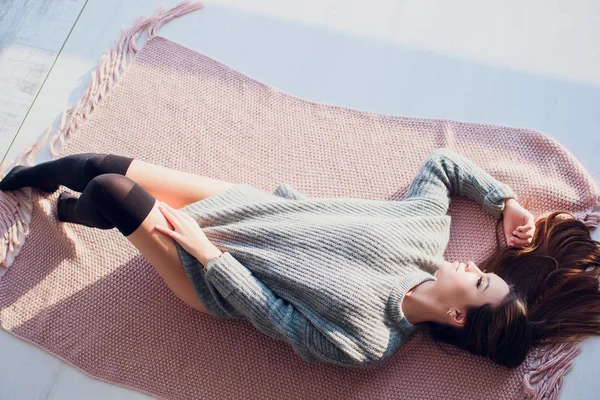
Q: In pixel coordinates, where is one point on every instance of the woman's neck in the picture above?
(420, 304)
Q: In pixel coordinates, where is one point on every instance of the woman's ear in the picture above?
(457, 318)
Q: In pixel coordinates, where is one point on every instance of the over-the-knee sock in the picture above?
(74, 171)
(65, 207)
(108, 201)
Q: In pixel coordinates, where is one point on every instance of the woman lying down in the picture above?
(343, 280)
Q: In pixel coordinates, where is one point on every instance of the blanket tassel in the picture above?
(16, 205)
(554, 362)
(591, 218)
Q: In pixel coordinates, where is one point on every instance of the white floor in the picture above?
(530, 64)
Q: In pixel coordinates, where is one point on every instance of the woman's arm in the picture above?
(271, 314)
(447, 173)
(268, 313)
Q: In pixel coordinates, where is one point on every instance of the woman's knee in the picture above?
(97, 164)
(120, 200)
(112, 185)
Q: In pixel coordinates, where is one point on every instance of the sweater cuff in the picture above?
(226, 273)
(495, 200)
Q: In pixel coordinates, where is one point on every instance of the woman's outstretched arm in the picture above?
(446, 173)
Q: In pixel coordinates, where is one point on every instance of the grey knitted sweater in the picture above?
(327, 275)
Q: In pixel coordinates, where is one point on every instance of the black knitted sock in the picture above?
(108, 201)
(74, 171)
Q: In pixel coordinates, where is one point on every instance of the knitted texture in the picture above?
(89, 297)
(328, 275)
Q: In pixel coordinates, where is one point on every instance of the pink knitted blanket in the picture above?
(89, 297)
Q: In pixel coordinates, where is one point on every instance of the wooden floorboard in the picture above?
(32, 32)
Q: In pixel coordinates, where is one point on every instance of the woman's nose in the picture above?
(471, 267)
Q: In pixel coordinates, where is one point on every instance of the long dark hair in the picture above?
(553, 295)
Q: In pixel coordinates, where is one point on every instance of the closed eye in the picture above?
(479, 282)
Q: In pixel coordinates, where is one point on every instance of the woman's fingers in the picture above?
(171, 217)
(517, 242)
(167, 206)
(525, 228)
(524, 232)
(177, 214)
(165, 231)
(523, 235)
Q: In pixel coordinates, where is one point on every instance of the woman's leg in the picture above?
(112, 200)
(176, 188)
(75, 171)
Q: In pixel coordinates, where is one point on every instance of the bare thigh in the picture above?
(176, 188)
(161, 252)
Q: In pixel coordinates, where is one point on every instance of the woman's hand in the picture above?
(519, 224)
(187, 233)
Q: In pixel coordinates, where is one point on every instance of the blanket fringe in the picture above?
(16, 205)
(547, 375)
(591, 218)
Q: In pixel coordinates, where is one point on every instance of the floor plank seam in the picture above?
(43, 82)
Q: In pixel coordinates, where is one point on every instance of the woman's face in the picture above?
(461, 284)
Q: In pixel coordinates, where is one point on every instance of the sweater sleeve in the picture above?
(446, 173)
(269, 313)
